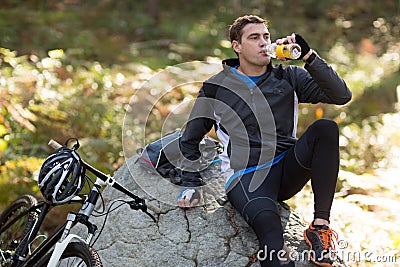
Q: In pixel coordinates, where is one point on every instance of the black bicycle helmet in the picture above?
(62, 175)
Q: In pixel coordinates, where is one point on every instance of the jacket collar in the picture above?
(229, 63)
(233, 62)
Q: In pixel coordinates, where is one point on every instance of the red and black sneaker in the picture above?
(320, 240)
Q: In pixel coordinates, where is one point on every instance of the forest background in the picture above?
(70, 68)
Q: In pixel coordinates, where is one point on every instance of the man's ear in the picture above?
(236, 46)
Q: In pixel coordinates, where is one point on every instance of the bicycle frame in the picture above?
(60, 239)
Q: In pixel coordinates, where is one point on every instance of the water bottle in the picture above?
(291, 51)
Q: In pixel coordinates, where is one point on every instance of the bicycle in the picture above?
(21, 220)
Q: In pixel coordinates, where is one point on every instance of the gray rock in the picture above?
(211, 235)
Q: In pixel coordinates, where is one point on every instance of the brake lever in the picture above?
(140, 204)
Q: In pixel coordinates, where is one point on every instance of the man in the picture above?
(253, 106)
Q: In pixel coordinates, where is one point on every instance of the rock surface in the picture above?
(211, 235)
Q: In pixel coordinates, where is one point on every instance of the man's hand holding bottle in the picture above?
(293, 46)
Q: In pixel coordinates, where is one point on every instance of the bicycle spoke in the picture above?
(71, 262)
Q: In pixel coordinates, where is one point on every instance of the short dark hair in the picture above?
(235, 30)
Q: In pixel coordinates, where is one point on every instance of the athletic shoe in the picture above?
(320, 240)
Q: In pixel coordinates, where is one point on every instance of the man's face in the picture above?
(255, 36)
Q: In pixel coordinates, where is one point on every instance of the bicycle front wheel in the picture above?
(15, 224)
(77, 254)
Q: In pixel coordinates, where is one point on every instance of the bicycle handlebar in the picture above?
(139, 202)
(54, 144)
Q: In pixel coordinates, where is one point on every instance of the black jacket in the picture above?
(256, 122)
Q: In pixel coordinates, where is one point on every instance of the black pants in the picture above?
(315, 156)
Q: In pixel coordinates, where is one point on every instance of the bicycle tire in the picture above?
(76, 254)
(15, 225)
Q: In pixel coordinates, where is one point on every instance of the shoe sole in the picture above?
(311, 257)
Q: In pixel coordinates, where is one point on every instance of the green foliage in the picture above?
(376, 99)
(126, 31)
(52, 98)
(64, 98)
(17, 177)
(371, 144)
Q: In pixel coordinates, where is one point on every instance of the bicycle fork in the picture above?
(72, 219)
